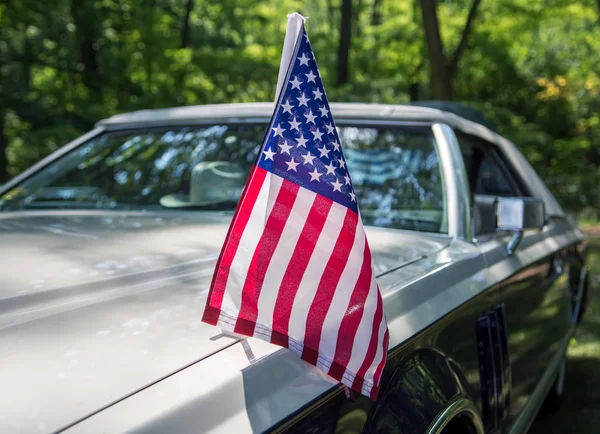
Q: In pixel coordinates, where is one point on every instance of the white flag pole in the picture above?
(294, 26)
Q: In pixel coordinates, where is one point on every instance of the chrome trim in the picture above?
(455, 181)
(527, 415)
(580, 289)
(50, 158)
(514, 242)
(459, 406)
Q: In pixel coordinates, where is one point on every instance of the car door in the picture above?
(532, 281)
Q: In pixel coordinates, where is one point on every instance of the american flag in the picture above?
(296, 269)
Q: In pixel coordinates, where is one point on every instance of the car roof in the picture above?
(244, 112)
(231, 112)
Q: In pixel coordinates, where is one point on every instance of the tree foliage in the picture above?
(530, 66)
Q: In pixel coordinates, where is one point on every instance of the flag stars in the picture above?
(287, 107)
(284, 148)
(268, 154)
(302, 99)
(308, 158)
(304, 59)
(296, 83)
(315, 175)
(301, 141)
(305, 121)
(324, 152)
(295, 124)
(317, 134)
(291, 165)
(330, 168)
(310, 117)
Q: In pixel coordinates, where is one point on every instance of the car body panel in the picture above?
(121, 295)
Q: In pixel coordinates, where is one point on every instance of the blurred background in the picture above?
(531, 67)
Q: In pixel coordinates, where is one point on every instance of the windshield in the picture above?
(395, 171)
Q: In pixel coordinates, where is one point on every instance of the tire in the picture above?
(554, 399)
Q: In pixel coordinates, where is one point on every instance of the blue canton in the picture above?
(303, 145)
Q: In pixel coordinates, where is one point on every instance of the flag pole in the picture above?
(294, 26)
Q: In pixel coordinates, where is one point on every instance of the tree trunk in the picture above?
(345, 40)
(185, 32)
(464, 39)
(376, 15)
(27, 63)
(87, 36)
(439, 78)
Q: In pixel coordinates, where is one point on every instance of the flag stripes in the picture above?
(281, 255)
(294, 273)
(276, 222)
(296, 269)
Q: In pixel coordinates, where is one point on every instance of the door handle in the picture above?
(558, 265)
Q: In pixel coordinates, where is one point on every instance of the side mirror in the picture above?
(519, 214)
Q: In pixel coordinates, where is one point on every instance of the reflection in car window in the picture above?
(397, 175)
(395, 171)
(484, 169)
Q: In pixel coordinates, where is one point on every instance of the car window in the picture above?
(486, 171)
(489, 177)
(395, 172)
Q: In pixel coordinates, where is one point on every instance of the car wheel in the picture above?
(554, 399)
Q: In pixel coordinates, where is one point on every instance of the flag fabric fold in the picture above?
(295, 269)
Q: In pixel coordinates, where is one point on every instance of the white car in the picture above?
(107, 249)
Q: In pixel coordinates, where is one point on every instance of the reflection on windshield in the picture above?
(395, 171)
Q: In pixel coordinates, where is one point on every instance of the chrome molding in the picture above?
(459, 406)
(527, 415)
(455, 179)
(580, 289)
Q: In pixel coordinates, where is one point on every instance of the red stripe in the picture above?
(329, 280)
(372, 350)
(352, 317)
(262, 257)
(296, 268)
(232, 241)
(379, 370)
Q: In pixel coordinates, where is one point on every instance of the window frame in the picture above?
(492, 149)
(124, 129)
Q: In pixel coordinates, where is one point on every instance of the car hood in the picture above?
(95, 306)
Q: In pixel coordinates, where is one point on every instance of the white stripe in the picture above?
(341, 296)
(276, 182)
(314, 271)
(232, 298)
(282, 255)
(378, 358)
(365, 329)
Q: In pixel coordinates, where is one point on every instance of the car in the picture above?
(108, 247)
